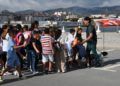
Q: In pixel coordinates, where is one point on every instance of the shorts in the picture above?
(46, 58)
(12, 59)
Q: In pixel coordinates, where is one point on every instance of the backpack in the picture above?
(17, 38)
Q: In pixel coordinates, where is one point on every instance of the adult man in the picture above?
(91, 39)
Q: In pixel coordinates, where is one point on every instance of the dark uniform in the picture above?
(91, 45)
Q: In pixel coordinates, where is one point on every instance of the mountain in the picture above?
(75, 10)
(88, 11)
(26, 12)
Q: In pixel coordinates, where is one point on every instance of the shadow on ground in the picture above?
(114, 61)
(7, 81)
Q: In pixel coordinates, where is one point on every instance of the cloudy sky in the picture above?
(16, 5)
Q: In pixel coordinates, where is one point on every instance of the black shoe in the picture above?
(45, 72)
(50, 72)
(20, 76)
(104, 53)
(98, 65)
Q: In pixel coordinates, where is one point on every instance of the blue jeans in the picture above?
(31, 57)
(81, 51)
(12, 59)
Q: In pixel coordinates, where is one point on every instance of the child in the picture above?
(12, 59)
(33, 52)
(47, 50)
(69, 51)
(1, 59)
(59, 52)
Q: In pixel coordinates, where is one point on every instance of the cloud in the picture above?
(111, 3)
(16, 5)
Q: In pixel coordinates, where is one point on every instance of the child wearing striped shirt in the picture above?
(47, 50)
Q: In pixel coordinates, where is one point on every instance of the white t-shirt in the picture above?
(8, 43)
(5, 43)
(69, 39)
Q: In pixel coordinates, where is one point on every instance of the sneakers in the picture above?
(36, 72)
(15, 73)
(45, 72)
(20, 76)
(58, 71)
(64, 71)
(83, 59)
(1, 79)
(7, 73)
(50, 72)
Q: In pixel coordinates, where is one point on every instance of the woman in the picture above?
(78, 48)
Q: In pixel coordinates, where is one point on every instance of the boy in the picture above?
(34, 51)
(1, 59)
(47, 49)
(69, 51)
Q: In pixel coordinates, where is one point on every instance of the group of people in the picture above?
(23, 47)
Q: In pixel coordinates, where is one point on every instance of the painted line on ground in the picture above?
(105, 69)
(108, 50)
(112, 66)
(109, 68)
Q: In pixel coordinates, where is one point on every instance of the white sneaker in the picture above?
(36, 72)
(1, 79)
(63, 71)
(88, 65)
(83, 59)
(7, 73)
(15, 73)
(58, 71)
